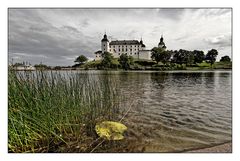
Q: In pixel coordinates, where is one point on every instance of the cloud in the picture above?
(220, 40)
(42, 39)
(173, 14)
(57, 36)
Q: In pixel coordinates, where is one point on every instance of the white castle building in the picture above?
(133, 48)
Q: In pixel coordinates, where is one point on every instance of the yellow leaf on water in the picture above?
(110, 130)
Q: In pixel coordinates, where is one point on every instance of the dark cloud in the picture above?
(85, 23)
(174, 14)
(35, 38)
(57, 36)
(215, 12)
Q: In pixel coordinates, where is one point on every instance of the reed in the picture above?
(49, 108)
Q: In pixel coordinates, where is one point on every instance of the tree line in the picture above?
(185, 56)
(180, 57)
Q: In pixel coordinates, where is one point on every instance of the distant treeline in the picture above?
(161, 60)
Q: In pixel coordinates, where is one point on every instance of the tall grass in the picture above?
(48, 109)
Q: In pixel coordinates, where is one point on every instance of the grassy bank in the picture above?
(51, 112)
(151, 65)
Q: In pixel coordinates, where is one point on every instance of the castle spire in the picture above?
(105, 37)
(161, 44)
(161, 39)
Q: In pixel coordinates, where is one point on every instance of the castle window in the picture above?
(103, 44)
(126, 49)
(118, 53)
(135, 53)
(119, 49)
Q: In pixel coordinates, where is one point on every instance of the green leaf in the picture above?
(110, 130)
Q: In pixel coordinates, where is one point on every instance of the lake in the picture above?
(174, 110)
(169, 111)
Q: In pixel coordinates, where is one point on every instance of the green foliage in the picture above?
(92, 64)
(183, 57)
(125, 61)
(57, 68)
(81, 59)
(48, 108)
(159, 54)
(41, 66)
(107, 60)
(198, 56)
(110, 130)
(145, 62)
(178, 57)
(18, 64)
(225, 59)
(211, 56)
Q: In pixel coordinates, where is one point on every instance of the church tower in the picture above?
(161, 44)
(105, 44)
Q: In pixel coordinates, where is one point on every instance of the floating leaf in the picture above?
(110, 130)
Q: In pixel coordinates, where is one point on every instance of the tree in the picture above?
(157, 54)
(160, 54)
(107, 60)
(225, 59)
(125, 61)
(18, 64)
(81, 59)
(189, 58)
(166, 55)
(211, 56)
(177, 57)
(198, 56)
(131, 60)
(41, 66)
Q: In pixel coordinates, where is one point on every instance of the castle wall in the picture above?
(130, 50)
(145, 54)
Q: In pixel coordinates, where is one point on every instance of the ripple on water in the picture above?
(179, 111)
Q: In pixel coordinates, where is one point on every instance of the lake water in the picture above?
(172, 111)
(176, 110)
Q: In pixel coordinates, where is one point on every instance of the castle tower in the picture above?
(105, 44)
(161, 44)
(142, 45)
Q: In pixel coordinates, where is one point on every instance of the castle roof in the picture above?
(161, 43)
(98, 52)
(105, 37)
(125, 42)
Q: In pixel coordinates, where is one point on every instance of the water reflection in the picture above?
(179, 110)
(173, 111)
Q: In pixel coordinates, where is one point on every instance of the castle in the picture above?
(133, 48)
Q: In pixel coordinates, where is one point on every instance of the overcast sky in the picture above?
(58, 36)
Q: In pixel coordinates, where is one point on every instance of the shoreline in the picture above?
(81, 69)
(219, 148)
